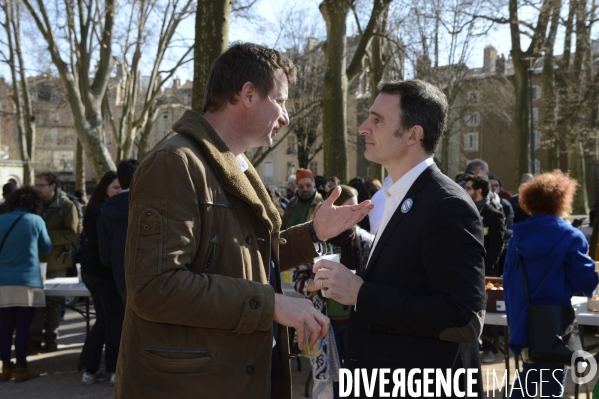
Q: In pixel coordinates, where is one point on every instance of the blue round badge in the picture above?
(407, 205)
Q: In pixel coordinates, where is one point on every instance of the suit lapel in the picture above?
(399, 215)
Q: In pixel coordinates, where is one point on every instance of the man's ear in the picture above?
(415, 135)
(248, 94)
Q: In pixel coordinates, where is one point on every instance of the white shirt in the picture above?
(378, 200)
(395, 194)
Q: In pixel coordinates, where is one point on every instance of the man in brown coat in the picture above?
(205, 317)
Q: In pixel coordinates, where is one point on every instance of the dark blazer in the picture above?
(423, 298)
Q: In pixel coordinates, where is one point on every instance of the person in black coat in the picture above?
(99, 281)
(420, 301)
(112, 226)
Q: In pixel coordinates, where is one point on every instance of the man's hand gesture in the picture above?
(331, 220)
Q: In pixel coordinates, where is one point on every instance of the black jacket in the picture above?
(112, 231)
(423, 298)
(494, 227)
(91, 264)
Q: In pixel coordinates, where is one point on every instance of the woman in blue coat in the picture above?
(557, 266)
(23, 235)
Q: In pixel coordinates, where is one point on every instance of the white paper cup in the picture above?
(43, 269)
(333, 258)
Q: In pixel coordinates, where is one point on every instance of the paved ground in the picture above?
(61, 379)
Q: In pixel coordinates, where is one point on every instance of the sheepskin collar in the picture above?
(246, 186)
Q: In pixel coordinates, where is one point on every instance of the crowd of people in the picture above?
(188, 298)
(43, 224)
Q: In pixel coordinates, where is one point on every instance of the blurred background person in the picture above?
(373, 186)
(321, 185)
(519, 214)
(23, 235)
(100, 282)
(363, 195)
(62, 222)
(557, 266)
(353, 245)
(113, 225)
(497, 187)
(291, 187)
(302, 207)
(332, 182)
(6, 190)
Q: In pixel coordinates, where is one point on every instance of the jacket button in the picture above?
(146, 227)
(149, 214)
(254, 304)
(248, 239)
(250, 370)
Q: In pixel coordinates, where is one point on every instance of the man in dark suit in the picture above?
(420, 301)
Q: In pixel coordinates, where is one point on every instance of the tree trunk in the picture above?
(212, 39)
(80, 169)
(334, 103)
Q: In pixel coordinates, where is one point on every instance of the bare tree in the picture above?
(141, 103)
(79, 39)
(12, 55)
(337, 77)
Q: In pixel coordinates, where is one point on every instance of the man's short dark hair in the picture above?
(334, 179)
(241, 63)
(125, 171)
(50, 177)
(421, 104)
(320, 181)
(479, 182)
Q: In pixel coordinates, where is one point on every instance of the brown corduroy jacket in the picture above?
(199, 314)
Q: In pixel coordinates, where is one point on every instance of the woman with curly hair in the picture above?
(557, 265)
(23, 235)
(353, 245)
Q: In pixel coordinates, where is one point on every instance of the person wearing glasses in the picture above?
(62, 222)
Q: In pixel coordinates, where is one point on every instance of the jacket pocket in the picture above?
(148, 249)
(177, 360)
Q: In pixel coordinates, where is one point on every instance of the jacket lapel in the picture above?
(248, 187)
(399, 215)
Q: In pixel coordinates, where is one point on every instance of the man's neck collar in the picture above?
(404, 167)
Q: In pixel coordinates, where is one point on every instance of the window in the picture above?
(54, 116)
(313, 167)
(536, 92)
(535, 115)
(267, 170)
(290, 169)
(473, 97)
(165, 117)
(537, 166)
(291, 144)
(471, 142)
(537, 135)
(473, 119)
(162, 134)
